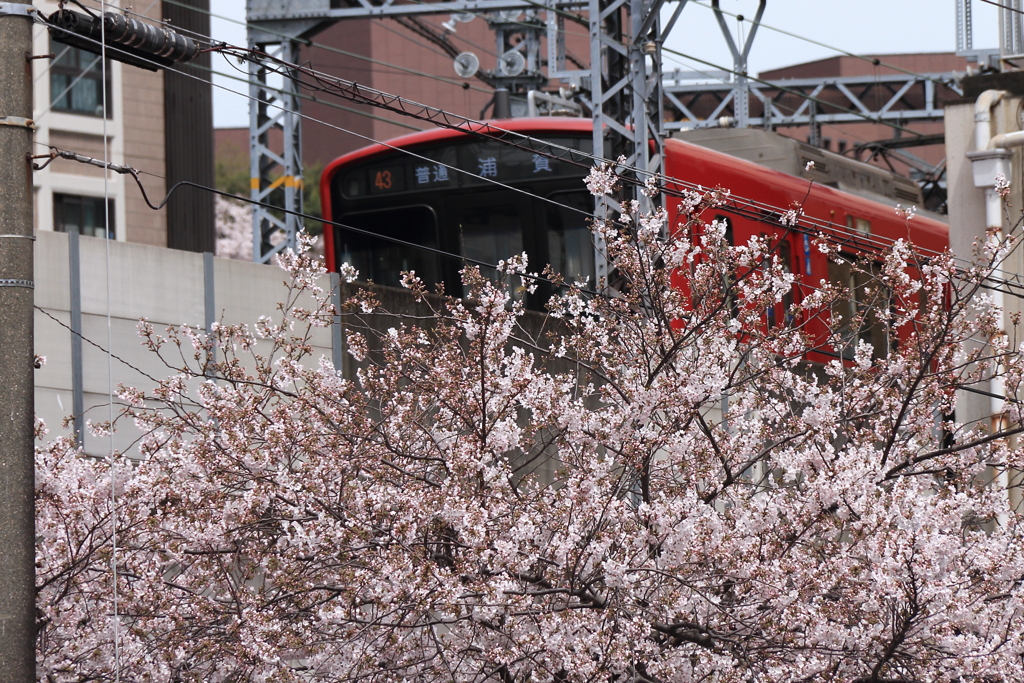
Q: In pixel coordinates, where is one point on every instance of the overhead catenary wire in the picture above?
(364, 95)
(301, 96)
(104, 351)
(366, 138)
(329, 48)
(583, 21)
(995, 283)
(459, 257)
(134, 173)
(67, 154)
(749, 208)
(304, 215)
(109, 359)
(871, 60)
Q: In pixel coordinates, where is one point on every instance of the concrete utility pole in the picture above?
(17, 409)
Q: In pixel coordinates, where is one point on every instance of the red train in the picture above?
(440, 189)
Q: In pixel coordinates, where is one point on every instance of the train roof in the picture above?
(526, 126)
(746, 179)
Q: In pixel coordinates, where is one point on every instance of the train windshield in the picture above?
(477, 199)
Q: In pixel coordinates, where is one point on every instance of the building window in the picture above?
(84, 215)
(75, 81)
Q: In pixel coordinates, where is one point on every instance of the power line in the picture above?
(67, 154)
(871, 60)
(329, 48)
(363, 95)
(358, 135)
(134, 173)
(394, 240)
(577, 18)
(106, 352)
(776, 86)
(751, 209)
(996, 4)
(745, 207)
(301, 96)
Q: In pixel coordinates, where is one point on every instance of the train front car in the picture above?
(434, 201)
(860, 228)
(438, 196)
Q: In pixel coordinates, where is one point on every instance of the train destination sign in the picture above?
(465, 164)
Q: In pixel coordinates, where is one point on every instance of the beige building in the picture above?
(68, 111)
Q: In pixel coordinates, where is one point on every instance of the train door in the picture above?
(564, 234)
(491, 227)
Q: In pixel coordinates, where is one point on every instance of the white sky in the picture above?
(859, 26)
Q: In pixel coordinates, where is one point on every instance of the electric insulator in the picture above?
(128, 40)
(149, 39)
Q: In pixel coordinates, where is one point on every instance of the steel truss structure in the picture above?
(896, 98)
(633, 104)
(275, 178)
(622, 87)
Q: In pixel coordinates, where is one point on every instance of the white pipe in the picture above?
(1004, 140)
(983, 165)
(993, 210)
(983, 117)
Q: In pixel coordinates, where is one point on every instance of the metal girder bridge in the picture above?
(897, 98)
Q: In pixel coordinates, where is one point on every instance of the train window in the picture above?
(570, 243)
(780, 313)
(866, 297)
(490, 233)
(861, 225)
(383, 261)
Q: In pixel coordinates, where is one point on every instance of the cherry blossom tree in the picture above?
(655, 485)
(234, 228)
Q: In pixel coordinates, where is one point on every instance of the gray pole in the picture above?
(17, 521)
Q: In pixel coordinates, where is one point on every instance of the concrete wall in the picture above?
(165, 286)
(967, 227)
(967, 217)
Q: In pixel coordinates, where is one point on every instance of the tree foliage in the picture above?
(657, 486)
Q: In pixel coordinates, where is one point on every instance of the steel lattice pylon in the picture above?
(626, 97)
(275, 175)
(625, 89)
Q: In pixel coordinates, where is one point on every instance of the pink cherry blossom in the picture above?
(652, 485)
